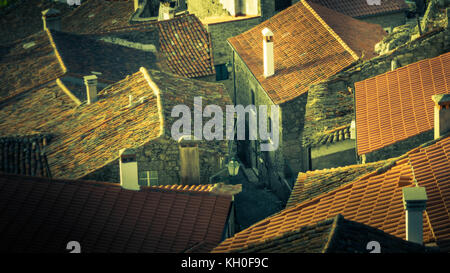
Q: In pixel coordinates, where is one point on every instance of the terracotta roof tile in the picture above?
(360, 8)
(46, 56)
(311, 43)
(333, 235)
(397, 105)
(374, 199)
(42, 215)
(87, 137)
(314, 183)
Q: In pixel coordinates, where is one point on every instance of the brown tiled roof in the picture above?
(333, 235)
(28, 63)
(46, 56)
(24, 18)
(314, 183)
(87, 137)
(374, 199)
(397, 105)
(311, 43)
(42, 215)
(360, 8)
(184, 42)
(24, 155)
(98, 15)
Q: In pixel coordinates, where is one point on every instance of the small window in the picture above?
(148, 178)
(221, 72)
(253, 97)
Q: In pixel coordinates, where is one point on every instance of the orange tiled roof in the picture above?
(333, 235)
(360, 8)
(397, 105)
(43, 215)
(374, 199)
(87, 137)
(314, 183)
(311, 43)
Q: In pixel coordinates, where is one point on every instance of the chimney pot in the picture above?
(441, 114)
(128, 169)
(91, 88)
(414, 201)
(51, 19)
(269, 67)
(166, 10)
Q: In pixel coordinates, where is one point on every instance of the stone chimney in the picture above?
(91, 88)
(414, 201)
(269, 68)
(166, 10)
(441, 114)
(51, 19)
(128, 169)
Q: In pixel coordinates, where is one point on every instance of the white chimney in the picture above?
(91, 88)
(128, 169)
(166, 10)
(269, 69)
(414, 201)
(441, 114)
(51, 18)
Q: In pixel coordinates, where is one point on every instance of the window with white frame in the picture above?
(148, 178)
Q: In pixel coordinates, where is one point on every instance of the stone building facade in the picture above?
(159, 162)
(287, 87)
(331, 103)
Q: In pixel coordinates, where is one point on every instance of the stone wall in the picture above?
(333, 155)
(220, 32)
(390, 20)
(162, 155)
(208, 8)
(293, 113)
(270, 164)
